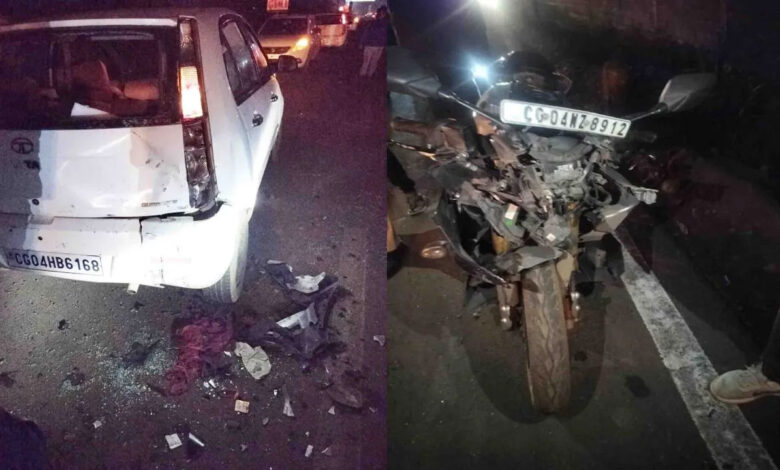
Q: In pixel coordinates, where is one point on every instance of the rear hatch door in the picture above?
(96, 128)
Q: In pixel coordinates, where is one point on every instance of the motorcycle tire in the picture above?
(547, 358)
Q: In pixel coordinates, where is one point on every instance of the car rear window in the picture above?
(329, 19)
(284, 26)
(88, 77)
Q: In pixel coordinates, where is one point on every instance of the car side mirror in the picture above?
(407, 76)
(287, 63)
(686, 91)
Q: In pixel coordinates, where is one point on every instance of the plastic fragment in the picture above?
(194, 439)
(242, 406)
(288, 411)
(309, 450)
(255, 360)
(173, 441)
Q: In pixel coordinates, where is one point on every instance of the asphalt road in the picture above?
(321, 208)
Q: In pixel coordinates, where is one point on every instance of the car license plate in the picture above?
(57, 262)
(554, 117)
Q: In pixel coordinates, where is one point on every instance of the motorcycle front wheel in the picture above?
(547, 358)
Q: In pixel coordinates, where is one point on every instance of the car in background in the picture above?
(136, 147)
(298, 36)
(333, 29)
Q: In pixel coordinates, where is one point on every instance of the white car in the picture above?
(136, 146)
(294, 35)
(333, 29)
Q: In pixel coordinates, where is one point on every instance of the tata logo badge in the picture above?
(22, 145)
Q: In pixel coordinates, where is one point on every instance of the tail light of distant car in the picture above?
(195, 128)
(301, 44)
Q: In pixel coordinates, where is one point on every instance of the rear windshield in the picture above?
(329, 19)
(284, 26)
(79, 78)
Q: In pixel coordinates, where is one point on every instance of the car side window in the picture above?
(257, 53)
(241, 66)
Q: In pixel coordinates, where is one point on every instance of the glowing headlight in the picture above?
(480, 72)
(489, 3)
(302, 43)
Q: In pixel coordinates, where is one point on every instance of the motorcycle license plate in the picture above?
(554, 117)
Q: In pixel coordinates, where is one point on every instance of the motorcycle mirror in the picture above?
(406, 75)
(287, 63)
(686, 91)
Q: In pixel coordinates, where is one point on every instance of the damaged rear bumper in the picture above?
(176, 251)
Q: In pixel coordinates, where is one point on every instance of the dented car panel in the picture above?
(124, 172)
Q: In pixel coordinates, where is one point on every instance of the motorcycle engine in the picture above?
(561, 164)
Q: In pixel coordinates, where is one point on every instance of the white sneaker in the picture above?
(743, 386)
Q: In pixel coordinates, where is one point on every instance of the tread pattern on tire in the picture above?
(547, 339)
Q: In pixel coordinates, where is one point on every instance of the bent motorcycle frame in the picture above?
(611, 216)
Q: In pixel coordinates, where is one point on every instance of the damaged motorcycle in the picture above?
(525, 190)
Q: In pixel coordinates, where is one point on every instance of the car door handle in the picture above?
(257, 119)
(274, 98)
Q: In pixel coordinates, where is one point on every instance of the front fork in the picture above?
(508, 295)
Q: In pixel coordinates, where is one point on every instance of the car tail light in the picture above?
(191, 101)
(195, 128)
(301, 44)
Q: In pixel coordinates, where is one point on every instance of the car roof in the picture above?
(118, 16)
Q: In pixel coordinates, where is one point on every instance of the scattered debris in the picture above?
(136, 307)
(282, 273)
(267, 420)
(307, 284)
(137, 354)
(287, 410)
(173, 441)
(62, 325)
(97, 423)
(242, 406)
(327, 451)
(244, 447)
(309, 450)
(380, 339)
(346, 396)
(373, 410)
(302, 319)
(200, 343)
(7, 379)
(255, 360)
(194, 439)
(332, 410)
(311, 340)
